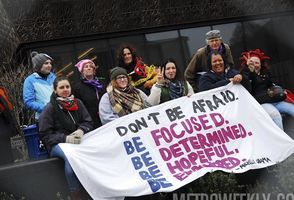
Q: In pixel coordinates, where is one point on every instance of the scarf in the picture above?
(125, 102)
(68, 103)
(221, 50)
(95, 83)
(63, 106)
(176, 89)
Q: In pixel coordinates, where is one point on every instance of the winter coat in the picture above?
(37, 92)
(160, 95)
(198, 64)
(107, 113)
(260, 84)
(90, 96)
(211, 80)
(52, 131)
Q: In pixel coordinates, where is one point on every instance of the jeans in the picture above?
(275, 110)
(71, 178)
(285, 107)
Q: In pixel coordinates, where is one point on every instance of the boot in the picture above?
(75, 195)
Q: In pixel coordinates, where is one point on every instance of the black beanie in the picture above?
(117, 71)
(38, 60)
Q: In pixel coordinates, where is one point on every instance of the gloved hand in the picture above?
(78, 132)
(73, 139)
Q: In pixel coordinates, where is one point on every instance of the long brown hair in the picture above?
(120, 54)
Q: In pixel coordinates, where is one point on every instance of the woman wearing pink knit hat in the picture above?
(89, 88)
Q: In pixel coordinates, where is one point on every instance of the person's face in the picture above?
(122, 81)
(256, 63)
(127, 56)
(217, 64)
(214, 43)
(88, 70)
(46, 67)
(63, 89)
(170, 70)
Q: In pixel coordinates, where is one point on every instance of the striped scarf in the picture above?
(125, 102)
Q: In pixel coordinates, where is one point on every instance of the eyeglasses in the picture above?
(121, 77)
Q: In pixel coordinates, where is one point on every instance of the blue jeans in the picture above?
(275, 110)
(71, 178)
(285, 107)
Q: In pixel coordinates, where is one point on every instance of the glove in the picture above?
(73, 139)
(78, 132)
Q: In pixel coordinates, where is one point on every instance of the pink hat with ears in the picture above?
(81, 63)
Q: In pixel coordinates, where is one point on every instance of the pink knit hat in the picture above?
(81, 63)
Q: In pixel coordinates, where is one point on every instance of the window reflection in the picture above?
(232, 34)
(161, 36)
(195, 38)
(62, 55)
(272, 35)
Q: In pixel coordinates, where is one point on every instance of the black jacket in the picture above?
(52, 131)
(211, 80)
(91, 98)
(260, 84)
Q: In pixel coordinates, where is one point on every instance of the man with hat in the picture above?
(38, 86)
(198, 63)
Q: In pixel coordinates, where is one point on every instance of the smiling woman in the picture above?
(170, 84)
(221, 74)
(121, 98)
(64, 120)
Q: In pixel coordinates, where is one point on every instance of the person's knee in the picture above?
(275, 114)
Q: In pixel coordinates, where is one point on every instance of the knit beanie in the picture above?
(38, 60)
(81, 63)
(117, 71)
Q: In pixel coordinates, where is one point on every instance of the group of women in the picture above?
(74, 111)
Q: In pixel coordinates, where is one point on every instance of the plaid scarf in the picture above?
(125, 102)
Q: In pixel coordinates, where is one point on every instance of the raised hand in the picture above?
(160, 77)
(249, 62)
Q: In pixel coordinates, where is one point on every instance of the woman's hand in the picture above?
(249, 62)
(236, 79)
(160, 77)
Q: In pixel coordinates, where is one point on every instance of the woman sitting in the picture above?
(170, 84)
(220, 74)
(64, 120)
(255, 62)
(121, 97)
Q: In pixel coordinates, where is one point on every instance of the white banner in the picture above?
(164, 147)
